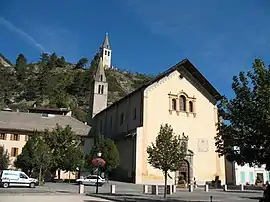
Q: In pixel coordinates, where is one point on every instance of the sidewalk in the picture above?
(51, 198)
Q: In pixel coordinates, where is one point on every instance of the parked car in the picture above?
(16, 178)
(91, 180)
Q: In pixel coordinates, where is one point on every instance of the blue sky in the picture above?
(219, 37)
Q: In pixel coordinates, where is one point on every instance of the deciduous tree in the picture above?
(65, 146)
(109, 152)
(4, 158)
(167, 152)
(36, 156)
(243, 136)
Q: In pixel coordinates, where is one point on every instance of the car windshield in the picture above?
(91, 177)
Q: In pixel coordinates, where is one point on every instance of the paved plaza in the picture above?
(64, 192)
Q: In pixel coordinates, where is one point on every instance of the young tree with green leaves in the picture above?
(243, 136)
(109, 153)
(66, 150)
(36, 156)
(167, 152)
(4, 158)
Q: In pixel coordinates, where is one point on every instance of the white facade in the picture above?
(245, 174)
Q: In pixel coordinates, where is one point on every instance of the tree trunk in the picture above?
(40, 176)
(165, 188)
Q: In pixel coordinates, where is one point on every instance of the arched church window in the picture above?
(105, 52)
(182, 103)
(173, 104)
(101, 77)
(99, 89)
(190, 106)
(109, 53)
(102, 89)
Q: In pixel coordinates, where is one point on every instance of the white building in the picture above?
(237, 174)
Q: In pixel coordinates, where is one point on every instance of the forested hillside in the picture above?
(54, 82)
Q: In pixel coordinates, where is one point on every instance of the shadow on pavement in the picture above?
(253, 198)
(136, 198)
(239, 191)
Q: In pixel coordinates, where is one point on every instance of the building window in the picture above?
(173, 104)
(26, 137)
(102, 89)
(15, 137)
(105, 52)
(3, 136)
(14, 152)
(101, 77)
(135, 114)
(182, 102)
(109, 53)
(190, 106)
(242, 177)
(122, 118)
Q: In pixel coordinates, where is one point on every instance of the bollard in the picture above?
(211, 198)
(112, 191)
(154, 189)
(242, 187)
(225, 188)
(169, 189)
(206, 188)
(81, 188)
(190, 188)
(174, 188)
(145, 189)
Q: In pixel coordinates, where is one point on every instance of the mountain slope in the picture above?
(54, 82)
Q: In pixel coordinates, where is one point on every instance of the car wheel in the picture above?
(5, 185)
(32, 185)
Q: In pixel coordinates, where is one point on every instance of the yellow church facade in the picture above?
(180, 97)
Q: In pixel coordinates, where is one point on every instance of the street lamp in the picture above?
(98, 162)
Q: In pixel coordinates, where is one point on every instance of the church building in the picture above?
(181, 97)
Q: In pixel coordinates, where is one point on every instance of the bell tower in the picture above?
(99, 96)
(106, 53)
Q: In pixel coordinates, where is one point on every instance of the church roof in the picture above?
(28, 122)
(184, 64)
(106, 43)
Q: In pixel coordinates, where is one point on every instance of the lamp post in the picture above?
(98, 162)
(98, 155)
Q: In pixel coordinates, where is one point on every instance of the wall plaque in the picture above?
(202, 145)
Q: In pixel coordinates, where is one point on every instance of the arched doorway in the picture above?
(184, 172)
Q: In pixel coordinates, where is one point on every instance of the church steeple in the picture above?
(99, 96)
(106, 52)
(100, 73)
(106, 43)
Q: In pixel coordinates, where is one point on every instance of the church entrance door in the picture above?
(184, 172)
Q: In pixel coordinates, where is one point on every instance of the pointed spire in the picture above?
(106, 43)
(100, 73)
